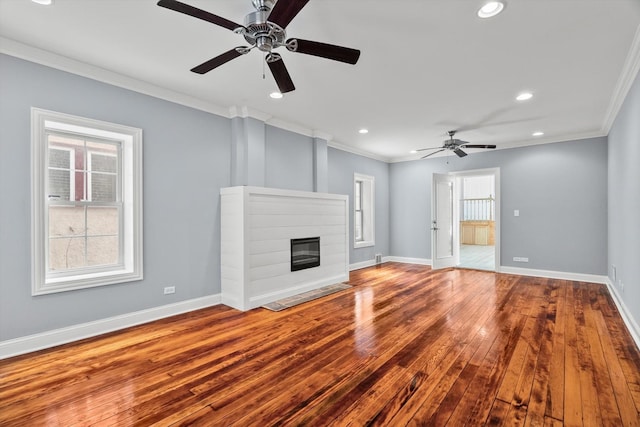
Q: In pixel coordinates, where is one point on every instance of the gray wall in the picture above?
(560, 190)
(186, 161)
(288, 160)
(624, 201)
(342, 166)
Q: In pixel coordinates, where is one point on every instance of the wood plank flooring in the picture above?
(404, 346)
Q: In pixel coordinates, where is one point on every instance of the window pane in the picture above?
(358, 196)
(103, 187)
(358, 225)
(102, 221)
(106, 161)
(66, 221)
(59, 158)
(59, 187)
(66, 253)
(102, 250)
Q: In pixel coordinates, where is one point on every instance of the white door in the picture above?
(443, 233)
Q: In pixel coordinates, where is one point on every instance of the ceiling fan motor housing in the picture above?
(260, 32)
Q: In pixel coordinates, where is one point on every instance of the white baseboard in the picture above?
(578, 277)
(370, 263)
(22, 345)
(629, 321)
(419, 261)
(363, 264)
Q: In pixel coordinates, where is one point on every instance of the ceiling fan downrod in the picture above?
(263, 5)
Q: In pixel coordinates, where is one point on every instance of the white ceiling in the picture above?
(427, 66)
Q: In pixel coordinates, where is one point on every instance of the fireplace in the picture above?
(305, 253)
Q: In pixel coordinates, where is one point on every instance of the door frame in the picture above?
(482, 172)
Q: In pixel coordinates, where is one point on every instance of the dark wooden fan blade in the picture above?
(459, 152)
(324, 50)
(281, 75)
(431, 154)
(205, 67)
(478, 146)
(198, 13)
(285, 10)
(425, 149)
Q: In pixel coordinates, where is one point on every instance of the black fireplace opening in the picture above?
(305, 253)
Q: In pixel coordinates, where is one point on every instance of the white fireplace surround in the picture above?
(257, 227)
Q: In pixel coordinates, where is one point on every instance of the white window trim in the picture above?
(368, 211)
(131, 268)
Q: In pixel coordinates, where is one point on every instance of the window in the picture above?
(357, 215)
(87, 202)
(363, 211)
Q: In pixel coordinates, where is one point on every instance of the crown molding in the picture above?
(243, 111)
(322, 135)
(626, 79)
(29, 53)
(359, 152)
(290, 126)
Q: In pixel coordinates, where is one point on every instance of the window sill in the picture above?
(83, 281)
(364, 244)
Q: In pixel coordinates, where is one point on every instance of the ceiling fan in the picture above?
(265, 29)
(454, 145)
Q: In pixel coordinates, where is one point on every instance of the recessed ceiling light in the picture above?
(537, 134)
(413, 151)
(490, 9)
(275, 95)
(363, 131)
(44, 2)
(524, 96)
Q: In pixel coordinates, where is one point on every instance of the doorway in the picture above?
(472, 224)
(477, 220)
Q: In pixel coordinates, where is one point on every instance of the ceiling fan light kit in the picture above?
(265, 29)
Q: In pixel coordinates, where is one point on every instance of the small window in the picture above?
(357, 215)
(363, 211)
(87, 203)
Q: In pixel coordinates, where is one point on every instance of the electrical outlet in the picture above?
(170, 290)
(520, 259)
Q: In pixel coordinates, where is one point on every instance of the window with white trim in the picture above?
(87, 202)
(363, 210)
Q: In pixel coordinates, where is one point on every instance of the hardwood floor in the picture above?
(404, 346)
